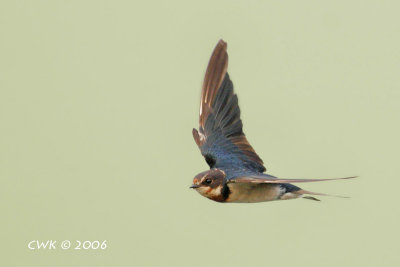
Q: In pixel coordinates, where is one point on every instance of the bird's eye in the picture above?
(208, 181)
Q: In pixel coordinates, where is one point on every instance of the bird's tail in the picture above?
(305, 192)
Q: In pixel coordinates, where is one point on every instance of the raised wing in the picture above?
(220, 136)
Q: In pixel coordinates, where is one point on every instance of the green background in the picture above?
(98, 100)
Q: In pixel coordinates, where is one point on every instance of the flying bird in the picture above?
(236, 172)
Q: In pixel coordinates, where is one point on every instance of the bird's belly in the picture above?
(247, 193)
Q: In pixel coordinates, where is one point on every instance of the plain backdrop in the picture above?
(98, 100)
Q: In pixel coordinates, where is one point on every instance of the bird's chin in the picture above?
(209, 192)
(203, 190)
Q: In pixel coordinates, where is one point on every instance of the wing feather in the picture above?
(272, 180)
(220, 136)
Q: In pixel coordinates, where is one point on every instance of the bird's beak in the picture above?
(194, 186)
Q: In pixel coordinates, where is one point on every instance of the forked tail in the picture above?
(305, 192)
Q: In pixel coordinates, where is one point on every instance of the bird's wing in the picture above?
(220, 136)
(265, 179)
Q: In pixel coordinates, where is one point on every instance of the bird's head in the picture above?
(211, 184)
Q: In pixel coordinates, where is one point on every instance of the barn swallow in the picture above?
(236, 172)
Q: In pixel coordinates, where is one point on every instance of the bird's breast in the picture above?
(247, 193)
